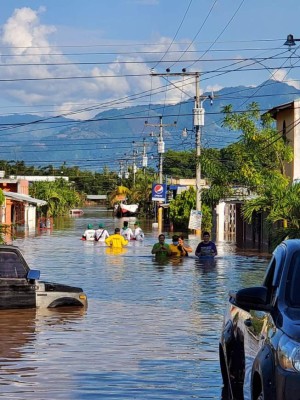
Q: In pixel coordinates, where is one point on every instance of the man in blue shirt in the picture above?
(206, 247)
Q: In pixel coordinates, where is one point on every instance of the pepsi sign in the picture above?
(159, 191)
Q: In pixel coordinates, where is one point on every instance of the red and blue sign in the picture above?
(159, 191)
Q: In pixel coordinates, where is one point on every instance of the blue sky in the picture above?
(61, 56)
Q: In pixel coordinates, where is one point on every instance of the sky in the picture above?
(77, 58)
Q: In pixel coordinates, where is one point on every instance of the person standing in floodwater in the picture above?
(161, 248)
(116, 240)
(206, 247)
(126, 232)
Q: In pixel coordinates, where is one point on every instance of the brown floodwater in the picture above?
(150, 331)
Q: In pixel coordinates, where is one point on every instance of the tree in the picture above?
(117, 193)
(260, 153)
(180, 164)
(60, 196)
(180, 209)
(141, 192)
(282, 203)
(258, 162)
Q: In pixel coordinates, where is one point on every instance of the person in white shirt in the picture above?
(126, 232)
(89, 233)
(138, 233)
(101, 234)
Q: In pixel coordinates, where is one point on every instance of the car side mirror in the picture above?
(252, 298)
(33, 274)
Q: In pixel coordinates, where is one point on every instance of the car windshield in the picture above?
(293, 280)
(11, 265)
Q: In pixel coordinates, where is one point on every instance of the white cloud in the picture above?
(281, 76)
(213, 88)
(27, 41)
(23, 31)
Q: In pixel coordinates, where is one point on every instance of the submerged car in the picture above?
(260, 341)
(20, 286)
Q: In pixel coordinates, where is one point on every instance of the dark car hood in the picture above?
(58, 287)
(291, 323)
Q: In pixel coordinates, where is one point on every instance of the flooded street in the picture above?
(151, 331)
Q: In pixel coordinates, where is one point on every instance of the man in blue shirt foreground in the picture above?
(206, 247)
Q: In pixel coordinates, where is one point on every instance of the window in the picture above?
(284, 131)
(292, 289)
(12, 266)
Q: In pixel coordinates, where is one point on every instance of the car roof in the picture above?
(292, 244)
(9, 247)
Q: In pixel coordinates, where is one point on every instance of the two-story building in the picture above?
(19, 208)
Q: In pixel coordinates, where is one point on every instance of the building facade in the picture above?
(19, 208)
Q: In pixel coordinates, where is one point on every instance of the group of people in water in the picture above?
(119, 239)
(178, 248)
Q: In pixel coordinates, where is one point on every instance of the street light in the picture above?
(290, 41)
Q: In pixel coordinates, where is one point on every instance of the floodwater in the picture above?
(150, 331)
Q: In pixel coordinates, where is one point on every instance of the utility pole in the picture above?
(160, 145)
(121, 171)
(134, 168)
(198, 114)
(160, 150)
(144, 157)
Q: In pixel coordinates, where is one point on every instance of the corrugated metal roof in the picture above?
(24, 197)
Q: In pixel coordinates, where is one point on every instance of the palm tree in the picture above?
(116, 195)
(282, 203)
(142, 191)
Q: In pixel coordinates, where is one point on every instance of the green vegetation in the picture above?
(180, 164)
(60, 196)
(180, 209)
(257, 162)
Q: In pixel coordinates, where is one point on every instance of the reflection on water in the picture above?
(151, 329)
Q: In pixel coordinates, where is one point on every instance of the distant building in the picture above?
(18, 208)
(39, 178)
(96, 199)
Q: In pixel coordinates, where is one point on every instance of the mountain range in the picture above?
(119, 134)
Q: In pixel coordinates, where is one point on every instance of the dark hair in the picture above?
(175, 238)
(125, 223)
(117, 230)
(161, 235)
(206, 233)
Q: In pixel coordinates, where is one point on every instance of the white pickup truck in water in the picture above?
(20, 286)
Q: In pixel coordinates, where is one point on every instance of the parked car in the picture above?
(20, 286)
(260, 341)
